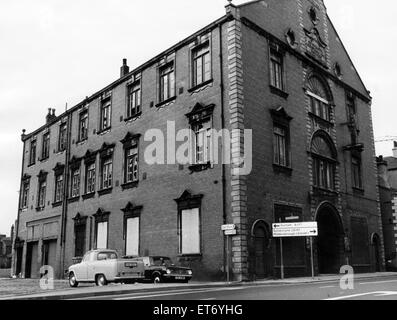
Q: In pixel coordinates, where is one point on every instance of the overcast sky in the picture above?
(55, 52)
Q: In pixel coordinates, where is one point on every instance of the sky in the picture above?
(57, 52)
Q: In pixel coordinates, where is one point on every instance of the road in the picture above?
(364, 289)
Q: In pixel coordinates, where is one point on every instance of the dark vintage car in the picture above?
(162, 269)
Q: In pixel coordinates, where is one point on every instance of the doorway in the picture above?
(376, 246)
(262, 254)
(19, 255)
(329, 240)
(32, 266)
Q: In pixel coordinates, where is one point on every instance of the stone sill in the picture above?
(278, 92)
(105, 191)
(88, 195)
(160, 104)
(199, 86)
(57, 204)
(282, 169)
(135, 116)
(130, 185)
(74, 199)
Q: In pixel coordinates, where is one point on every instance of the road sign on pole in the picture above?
(230, 232)
(228, 227)
(298, 229)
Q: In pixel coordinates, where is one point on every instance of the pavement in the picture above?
(21, 289)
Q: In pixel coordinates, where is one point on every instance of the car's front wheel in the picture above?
(72, 280)
(156, 277)
(101, 280)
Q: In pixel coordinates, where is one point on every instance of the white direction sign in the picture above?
(228, 227)
(298, 229)
(230, 232)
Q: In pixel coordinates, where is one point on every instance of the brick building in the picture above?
(277, 68)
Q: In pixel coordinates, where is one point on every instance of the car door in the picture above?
(80, 269)
(91, 265)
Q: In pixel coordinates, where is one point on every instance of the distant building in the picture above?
(387, 177)
(5, 252)
(275, 67)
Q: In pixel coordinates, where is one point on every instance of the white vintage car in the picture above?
(103, 266)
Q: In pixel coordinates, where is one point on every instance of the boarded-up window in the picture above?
(132, 237)
(79, 231)
(102, 235)
(190, 231)
(293, 248)
(360, 241)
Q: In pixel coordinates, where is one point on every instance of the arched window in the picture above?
(323, 163)
(319, 98)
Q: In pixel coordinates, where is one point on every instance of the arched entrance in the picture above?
(330, 233)
(262, 254)
(376, 245)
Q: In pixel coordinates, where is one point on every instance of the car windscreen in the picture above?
(107, 256)
(162, 261)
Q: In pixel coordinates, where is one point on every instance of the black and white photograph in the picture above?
(217, 152)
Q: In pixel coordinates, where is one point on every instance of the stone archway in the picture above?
(329, 240)
(262, 252)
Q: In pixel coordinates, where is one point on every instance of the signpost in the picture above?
(296, 229)
(229, 230)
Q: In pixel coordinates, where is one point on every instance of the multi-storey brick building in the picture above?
(277, 68)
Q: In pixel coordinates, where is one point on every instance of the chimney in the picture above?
(125, 69)
(383, 178)
(50, 116)
(395, 149)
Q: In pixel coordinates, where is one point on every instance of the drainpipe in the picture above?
(225, 255)
(20, 183)
(65, 194)
(14, 255)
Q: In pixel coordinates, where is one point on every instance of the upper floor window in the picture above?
(75, 186)
(131, 162)
(351, 108)
(281, 139)
(276, 69)
(281, 145)
(134, 99)
(319, 100)
(324, 163)
(90, 178)
(83, 126)
(357, 172)
(46, 146)
(25, 193)
(201, 64)
(167, 82)
(105, 120)
(62, 137)
(32, 154)
(202, 142)
(106, 173)
(58, 188)
(41, 193)
(202, 153)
